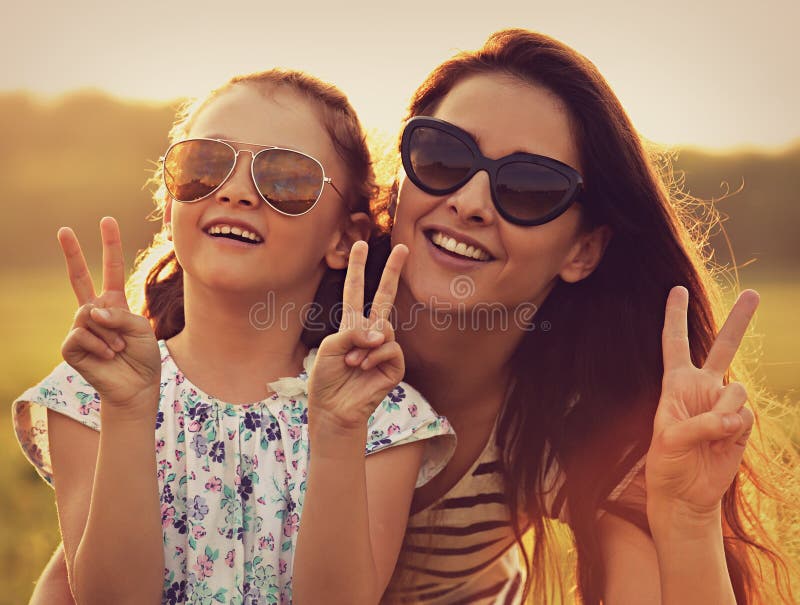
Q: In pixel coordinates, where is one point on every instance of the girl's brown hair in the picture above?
(603, 353)
(156, 286)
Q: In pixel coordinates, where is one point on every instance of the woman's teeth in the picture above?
(460, 248)
(237, 231)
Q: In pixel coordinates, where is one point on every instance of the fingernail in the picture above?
(730, 422)
(374, 336)
(103, 313)
(119, 344)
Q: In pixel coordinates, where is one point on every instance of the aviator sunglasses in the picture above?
(527, 189)
(289, 181)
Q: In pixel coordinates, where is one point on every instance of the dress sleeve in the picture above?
(63, 391)
(404, 416)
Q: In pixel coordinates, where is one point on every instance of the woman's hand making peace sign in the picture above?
(113, 349)
(701, 426)
(346, 394)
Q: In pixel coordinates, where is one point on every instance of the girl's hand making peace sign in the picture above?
(701, 426)
(343, 393)
(112, 348)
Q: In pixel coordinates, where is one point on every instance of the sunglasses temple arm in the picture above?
(330, 182)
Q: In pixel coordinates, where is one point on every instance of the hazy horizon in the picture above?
(52, 100)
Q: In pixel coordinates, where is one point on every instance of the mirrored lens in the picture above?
(439, 160)
(530, 191)
(290, 181)
(194, 169)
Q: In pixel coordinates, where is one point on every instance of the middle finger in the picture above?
(383, 302)
(730, 336)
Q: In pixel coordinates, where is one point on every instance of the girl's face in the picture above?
(504, 115)
(293, 250)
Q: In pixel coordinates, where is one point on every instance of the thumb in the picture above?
(709, 426)
(121, 320)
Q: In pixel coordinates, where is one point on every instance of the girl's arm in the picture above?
(109, 512)
(106, 486)
(354, 517)
(355, 511)
(52, 587)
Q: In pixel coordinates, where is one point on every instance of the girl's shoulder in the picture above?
(405, 416)
(66, 392)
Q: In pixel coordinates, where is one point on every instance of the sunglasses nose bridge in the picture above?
(472, 201)
(239, 186)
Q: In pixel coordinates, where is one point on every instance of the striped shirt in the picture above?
(461, 549)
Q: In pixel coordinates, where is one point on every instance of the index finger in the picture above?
(383, 301)
(353, 294)
(730, 336)
(77, 269)
(113, 261)
(675, 336)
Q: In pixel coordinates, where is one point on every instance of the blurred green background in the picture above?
(85, 156)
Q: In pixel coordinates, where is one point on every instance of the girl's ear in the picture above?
(586, 254)
(358, 227)
(167, 220)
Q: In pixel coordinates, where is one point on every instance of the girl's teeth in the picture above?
(227, 229)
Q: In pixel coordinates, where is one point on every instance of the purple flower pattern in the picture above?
(232, 477)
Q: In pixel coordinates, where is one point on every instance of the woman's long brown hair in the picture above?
(603, 351)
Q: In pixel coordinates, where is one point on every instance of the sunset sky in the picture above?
(708, 73)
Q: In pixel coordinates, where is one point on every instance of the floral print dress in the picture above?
(232, 477)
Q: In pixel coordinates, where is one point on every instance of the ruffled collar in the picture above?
(292, 386)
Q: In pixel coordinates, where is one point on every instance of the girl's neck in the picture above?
(233, 344)
(463, 370)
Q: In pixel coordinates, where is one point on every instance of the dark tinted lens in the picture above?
(289, 180)
(439, 159)
(194, 168)
(529, 191)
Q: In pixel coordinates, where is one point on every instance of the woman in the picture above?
(526, 185)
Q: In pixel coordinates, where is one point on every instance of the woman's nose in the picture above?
(472, 203)
(239, 187)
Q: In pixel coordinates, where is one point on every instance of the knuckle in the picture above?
(738, 390)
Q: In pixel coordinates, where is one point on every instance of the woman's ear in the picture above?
(586, 254)
(167, 219)
(358, 227)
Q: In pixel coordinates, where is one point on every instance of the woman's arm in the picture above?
(684, 562)
(354, 517)
(630, 561)
(700, 432)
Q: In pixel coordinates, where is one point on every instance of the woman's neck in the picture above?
(463, 370)
(233, 344)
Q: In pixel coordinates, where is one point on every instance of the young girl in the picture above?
(526, 186)
(266, 188)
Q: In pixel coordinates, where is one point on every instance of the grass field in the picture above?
(36, 311)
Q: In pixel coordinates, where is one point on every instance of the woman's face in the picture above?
(504, 115)
(290, 250)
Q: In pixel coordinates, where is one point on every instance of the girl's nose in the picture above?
(239, 187)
